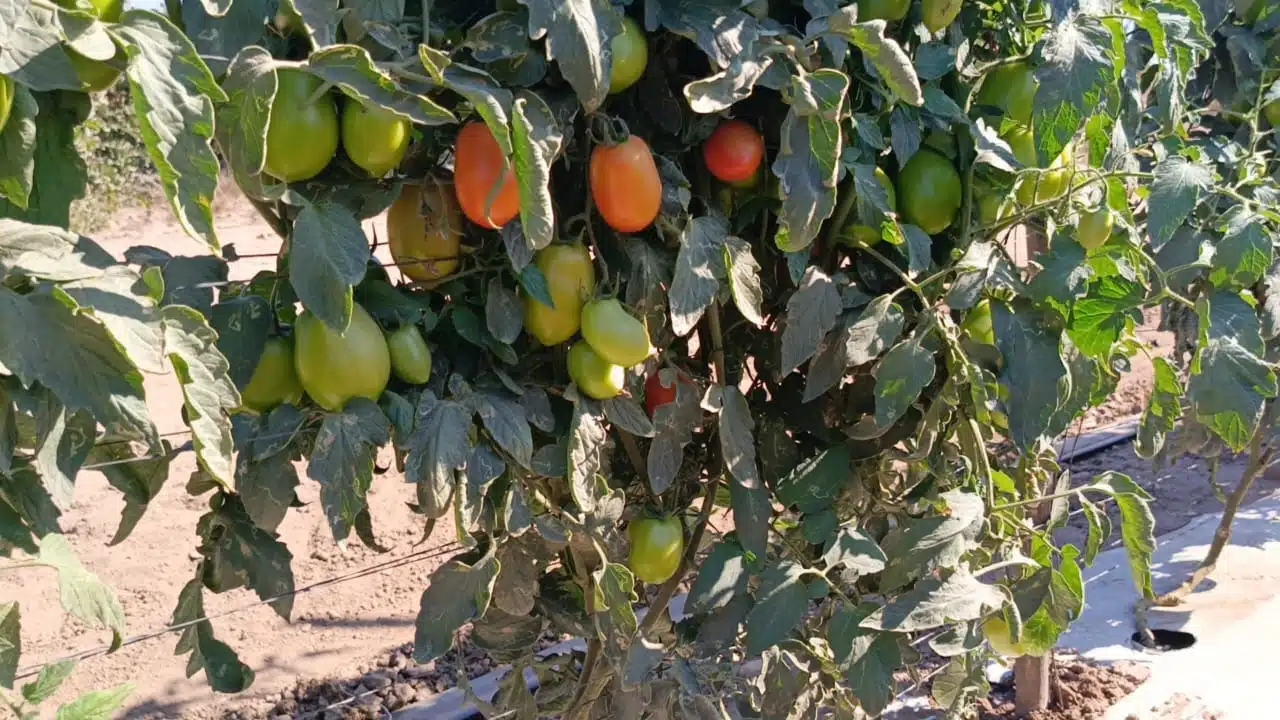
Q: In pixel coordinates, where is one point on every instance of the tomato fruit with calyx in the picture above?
(734, 151)
(615, 333)
(303, 133)
(424, 232)
(481, 174)
(997, 632)
(866, 235)
(338, 367)
(1011, 88)
(630, 53)
(937, 14)
(929, 191)
(657, 545)
(7, 91)
(1095, 228)
(375, 138)
(625, 184)
(595, 376)
(410, 356)
(571, 281)
(887, 10)
(275, 379)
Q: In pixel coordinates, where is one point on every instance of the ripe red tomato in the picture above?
(734, 151)
(478, 166)
(625, 184)
(656, 394)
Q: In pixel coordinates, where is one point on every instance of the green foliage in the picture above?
(841, 394)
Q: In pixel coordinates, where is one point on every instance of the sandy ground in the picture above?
(338, 628)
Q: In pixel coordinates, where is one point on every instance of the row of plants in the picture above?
(652, 260)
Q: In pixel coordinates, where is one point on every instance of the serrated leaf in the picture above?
(351, 69)
(122, 301)
(578, 33)
(258, 557)
(243, 325)
(81, 592)
(222, 667)
(673, 425)
(46, 683)
(63, 443)
(209, 394)
(744, 280)
(18, 148)
(267, 487)
(456, 594)
(615, 618)
(861, 339)
(869, 659)
(1175, 192)
(1099, 318)
(735, 83)
(1033, 372)
(536, 141)
(922, 545)
(696, 279)
(1137, 525)
(934, 602)
(97, 705)
(811, 312)
(749, 496)
(1076, 78)
(981, 267)
(504, 417)
(174, 95)
(781, 604)
(1064, 273)
(1227, 389)
(327, 260)
(1164, 409)
(439, 447)
(342, 461)
(587, 437)
(1244, 254)
(719, 27)
(138, 478)
(806, 164)
(888, 58)
(10, 642)
(816, 483)
(250, 85)
(855, 551)
(483, 468)
(722, 576)
(903, 372)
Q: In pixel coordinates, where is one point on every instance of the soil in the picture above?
(1082, 691)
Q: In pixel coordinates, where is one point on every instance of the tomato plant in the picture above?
(878, 418)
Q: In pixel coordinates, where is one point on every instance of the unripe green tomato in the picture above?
(1011, 88)
(571, 280)
(106, 10)
(95, 76)
(1249, 10)
(1095, 228)
(615, 334)
(938, 14)
(410, 356)
(865, 235)
(929, 191)
(303, 133)
(977, 324)
(375, 138)
(7, 91)
(595, 376)
(997, 632)
(1037, 187)
(630, 51)
(275, 379)
(336, 368)
(656, 548)
(887, 10)
(1272, 112)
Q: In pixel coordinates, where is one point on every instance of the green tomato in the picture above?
(929, 191)
(105, 10)
(375, 139)
(303, 134)
(410, 356)
(1037, 187)
(615, 333)
(595, 376)
(275, 379)
(657, 545)
(887, 10)
(997, 632)
(1011, 88)
(95, 76)
(1095, 228)
(1272, 112)
(338, 367)
(938, 14)
(571, 279)
(977, 324)
(7, 91)
(1249, 10)
(866, 235)
(630, 51)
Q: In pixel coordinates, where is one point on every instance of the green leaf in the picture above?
(1077, 77)
(922, 545)
(47, 682)
(46, 339)
(885, 55)
(587, 437)
(174, 95)
(673, 429)
(126, 306)
(81, 592)
(222, 667)
(721, 90)
(491, 100)
(1064, 273)
(439, 446)
(750, 498)
(697, 273)
(60, 173)
(18, 148)
(209, 393)
(503, 313)
(1033, 372)
(1137, 525)
(780, 605)
(243, 324)
(342, 461)
(268, 488)
(902, 374)
(960, 683)
(855, 550)
(1099, 318)
(816, 483)
(98, 705)
(718, 27)
(456, 594)
(1244, 254)
(50, 253)
(868, 659)
(259, 559)
(807, 161)
(24, 492)
(63, 442)
(188, 280)
(721, 577)
(811, 311)
(223, 34)
(138, 477)
(861, 339)
(350, 68)
(1163, 410)
(1227, 389)
(935, 602)
(327, 260)
(10, 642)
(250, 85)
(615, 616)
(504, 417)
(577, 32)
(627, 415)
(536, 141)
(1175, 192)
(982, 267)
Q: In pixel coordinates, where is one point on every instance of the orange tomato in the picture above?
(733, 152)
(625, 184)
(479, 167)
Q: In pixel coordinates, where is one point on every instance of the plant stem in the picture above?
(269, 214)
(1033, 501)
(906, 280)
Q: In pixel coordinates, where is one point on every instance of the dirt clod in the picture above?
(1082, 691)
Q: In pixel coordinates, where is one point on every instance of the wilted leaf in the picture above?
(1163, 410)
(342, 461)
(578, 34)
(222, 667)
(811, 312)
(191, 346)
(536, 140)
(696, 280)
(439, 446)
(587, 437)
(806, 164)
